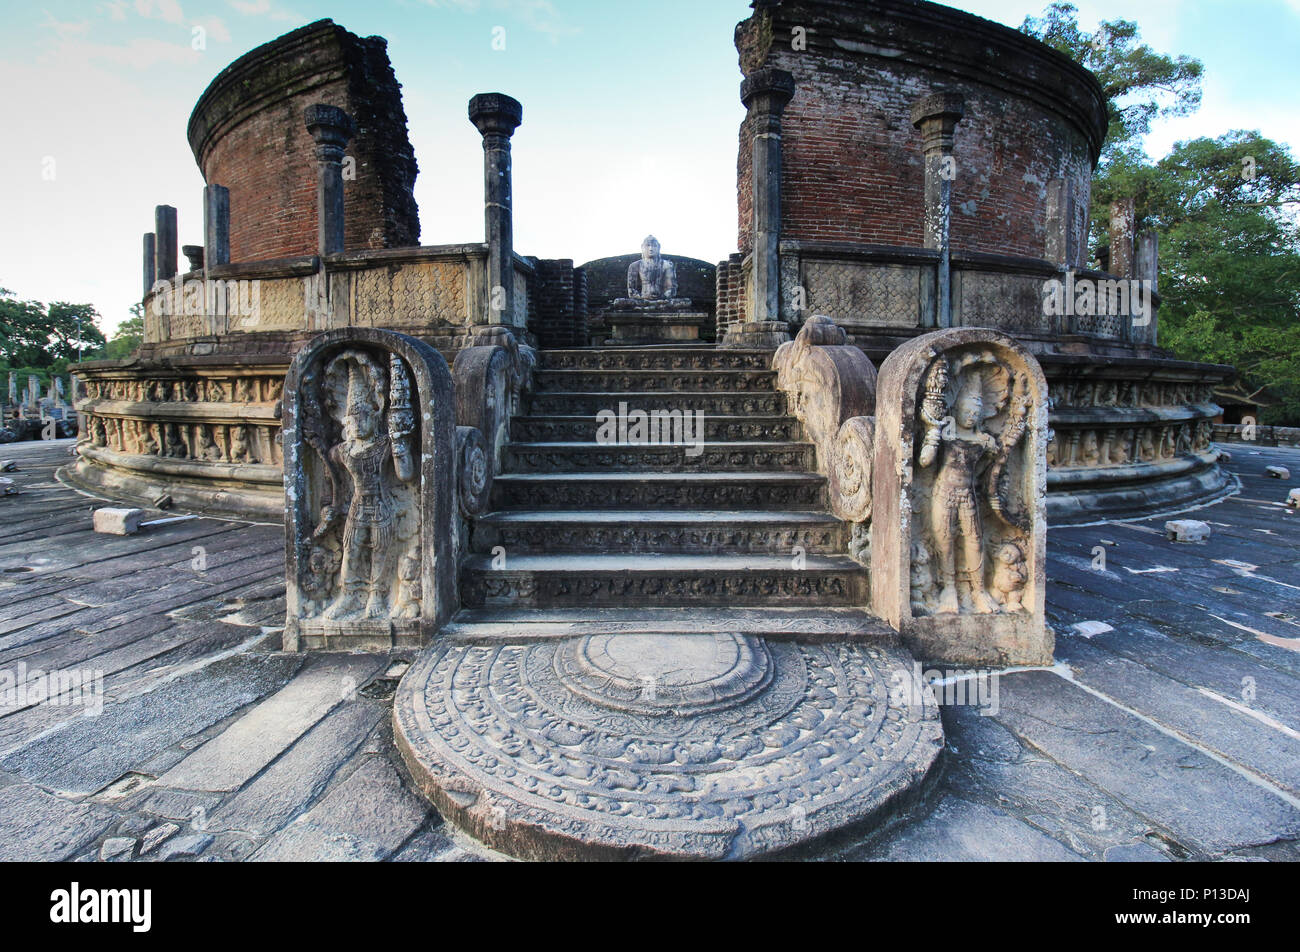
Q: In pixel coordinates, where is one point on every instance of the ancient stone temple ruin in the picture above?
(659, 536)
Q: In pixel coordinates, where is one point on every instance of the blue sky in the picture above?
(630, 115)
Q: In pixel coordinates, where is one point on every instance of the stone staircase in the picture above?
(739, 521)
(662, 653)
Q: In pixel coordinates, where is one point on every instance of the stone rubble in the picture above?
(118, 521)
(1187, 530)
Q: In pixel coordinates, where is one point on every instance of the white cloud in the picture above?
(538, 15)
(265, 8)
(168, 10)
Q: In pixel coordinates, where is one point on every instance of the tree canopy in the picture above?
(1225, 210)
(33, 334)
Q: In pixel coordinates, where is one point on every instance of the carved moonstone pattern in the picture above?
(662, 746)
(660, 674)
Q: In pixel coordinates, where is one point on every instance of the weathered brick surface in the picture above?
(852, 160)
(730, 292)
(553, 320)
(247, 134)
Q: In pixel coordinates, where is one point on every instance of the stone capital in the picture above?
(936, 115)
(495, 114)
(766, 92)
(330, 127)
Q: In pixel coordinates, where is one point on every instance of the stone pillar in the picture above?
(13, 389)
(194, 255)
(150, 262)
(165, 237)
(331, 128)
(33, 391)
(936, 116)
(1121, 238)
(1062, 246)
(1147, 271)
(497, 116)
(216, 225)
(765, 93)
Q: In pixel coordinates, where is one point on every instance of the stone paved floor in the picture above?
(1170, 729)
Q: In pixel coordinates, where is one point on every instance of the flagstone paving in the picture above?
(1168, 730)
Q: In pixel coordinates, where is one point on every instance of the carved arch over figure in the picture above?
(371, 456)
(959, 494)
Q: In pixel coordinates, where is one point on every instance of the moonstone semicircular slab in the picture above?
(653, 746)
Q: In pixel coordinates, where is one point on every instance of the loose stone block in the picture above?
(959, 489)
(117, 848)
(370, 492)
(1293, 500)
(156, 836)
(1187, 530)
(118, 521)
(1278, 472)
(8, 487)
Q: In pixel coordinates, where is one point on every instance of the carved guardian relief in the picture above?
(369, 477)
(969, 487)
(959, 487)
(358, 419)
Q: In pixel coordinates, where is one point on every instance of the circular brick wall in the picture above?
(247, 133)
(852, 161)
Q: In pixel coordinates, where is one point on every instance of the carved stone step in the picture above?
(692, 457)
(718, 404)
(554, 581)
(636, 491)
(656, 381)
(778, 533)
(655, 358)
(722, 429)
(809, 625)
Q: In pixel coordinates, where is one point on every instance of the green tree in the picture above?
(1230, 260)
(34, 335)
(128, 337)
(1224, 209)
(1140, 86)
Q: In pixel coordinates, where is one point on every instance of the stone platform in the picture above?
(213, 745)
(655, 326)
(662, 746)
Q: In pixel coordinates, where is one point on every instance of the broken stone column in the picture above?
(194, 256)
(497, 116)
(13, 388)
(331, 129)
(959, 497)
(118, 521)
(150, 263)
(165, 236)
(936, 116)
(216, 225)
(1121, 238)
(765, 93)
(370, 457)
